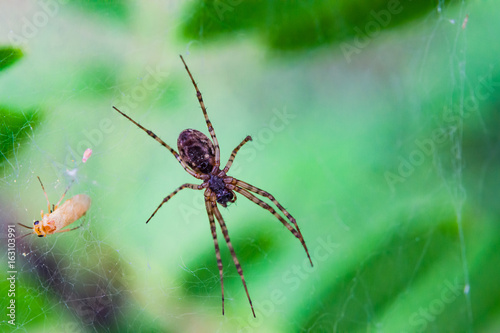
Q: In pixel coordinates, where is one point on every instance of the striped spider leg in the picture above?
(200, 157)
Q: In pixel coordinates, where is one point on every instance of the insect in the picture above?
(59, 217)
(200, 157)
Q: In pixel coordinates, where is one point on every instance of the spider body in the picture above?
(196, 149)
(200, 157)
(217, 184)
(59, 217)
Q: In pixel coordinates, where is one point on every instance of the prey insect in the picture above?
(58, 218)
(200, 157)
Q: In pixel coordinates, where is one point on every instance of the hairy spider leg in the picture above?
(244, 188)
(230, 246)
(209, 123)
(154, 136)
(235, 151)
(264, 205)
(168, 197)
(210, 214)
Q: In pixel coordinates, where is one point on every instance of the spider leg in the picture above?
(235, 151)
(46, 197)
(230, 246)
(264, 205)
(57, 205)
(244, 189)
(154, 136)
(210, 213)
(168, 197)
(204, 109)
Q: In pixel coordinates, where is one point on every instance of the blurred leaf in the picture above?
(109, 8)
(14, 126)
(248, 250)
(387, 273)
(8, 56)
(299, 24)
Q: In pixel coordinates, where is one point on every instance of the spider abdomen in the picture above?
(196, 149)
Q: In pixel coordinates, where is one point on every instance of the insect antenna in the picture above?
(25, 226)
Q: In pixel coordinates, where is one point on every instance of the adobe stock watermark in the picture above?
(150, 82)
(292, 279)
(425, 148)
(30, 26)
(93, 138)
(371, 30)
(223, 6)
(11, 276)
(277, 123)
(450, 118)
(424, 315)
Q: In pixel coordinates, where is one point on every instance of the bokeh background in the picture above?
(375, 123)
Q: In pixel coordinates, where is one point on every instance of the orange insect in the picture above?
(60, 217)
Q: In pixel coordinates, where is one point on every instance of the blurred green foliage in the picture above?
(297, 25)
(8, 56)
(15, 125)
(114, 9)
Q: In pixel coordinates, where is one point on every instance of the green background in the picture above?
(374, 123)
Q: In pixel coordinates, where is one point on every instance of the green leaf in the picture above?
(14, 127)
(8, 56)
(296, 25)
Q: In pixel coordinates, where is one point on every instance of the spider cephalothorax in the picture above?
(200, 157)
(222, 191)
(196, 149)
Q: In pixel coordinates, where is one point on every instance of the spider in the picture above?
(200, 157)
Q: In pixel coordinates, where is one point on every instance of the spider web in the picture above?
(384, 151)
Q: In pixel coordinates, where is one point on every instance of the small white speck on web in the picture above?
(72, 173)
(466, 288)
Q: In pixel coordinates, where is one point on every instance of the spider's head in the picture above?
(225, 196)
